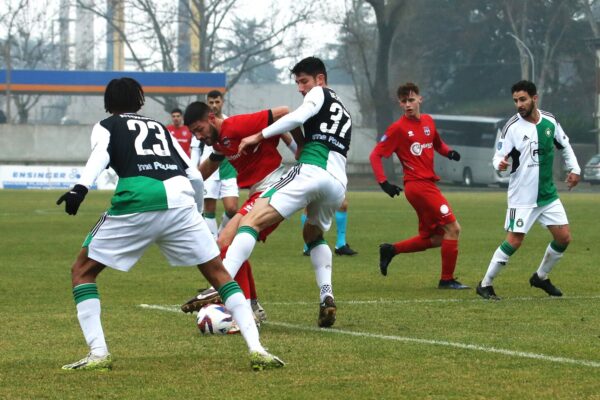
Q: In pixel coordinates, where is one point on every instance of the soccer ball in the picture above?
(214, 319)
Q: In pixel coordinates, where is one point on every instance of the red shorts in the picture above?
(431, 206)
(245, 209)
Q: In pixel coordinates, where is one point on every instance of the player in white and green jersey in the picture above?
(527, 146)
(317, 182)
(157, 200)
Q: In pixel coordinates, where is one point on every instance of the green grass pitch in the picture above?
(395, 337)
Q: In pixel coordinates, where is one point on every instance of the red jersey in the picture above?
(413, 141)
(259, 161)
(183, 135)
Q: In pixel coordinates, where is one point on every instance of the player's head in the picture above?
(201, 121)
(525, 96)
(308, 73)
(177, 117)
(123, 95)
(409, 99)
(215, 100)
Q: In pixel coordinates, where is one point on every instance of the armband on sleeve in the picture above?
(216, 157)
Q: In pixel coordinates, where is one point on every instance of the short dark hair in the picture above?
(196, 111)
(405, 89)
(213, 94)
(176, 110)
(312, 66)
(123, 95)
(526, 86)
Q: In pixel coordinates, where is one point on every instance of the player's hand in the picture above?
(73, 199)
(572, 180)
(391, 190)
(454, 155)
(503, 165)
(249, 141)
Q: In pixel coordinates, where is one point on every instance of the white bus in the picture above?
(475, 139)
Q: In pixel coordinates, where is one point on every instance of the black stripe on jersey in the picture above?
(548, 114)
(514, 154)
(558, 145)
(98, 224)
(513, 213)
(511, 121)
(288, 178)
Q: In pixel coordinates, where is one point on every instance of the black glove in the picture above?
(73, 199)
(454, 155)
(391, 190)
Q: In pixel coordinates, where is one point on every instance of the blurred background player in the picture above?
(179, 131)
(256, 171)
(529, 139)
(342, 248)
(222, 184)
(140, 215)
(413, 138)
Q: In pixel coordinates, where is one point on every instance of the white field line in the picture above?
(463, 346)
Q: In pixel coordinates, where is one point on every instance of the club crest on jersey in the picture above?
(499, 146)
(226, 142)
(548, 132)
(426, 131)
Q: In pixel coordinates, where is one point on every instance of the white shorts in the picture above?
(118, 241)
(520, 220)
(218, 189)
(311, 187)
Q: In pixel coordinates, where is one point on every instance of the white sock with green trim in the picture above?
(551, 257)
(321, 258)
(87, 301)
(240, 310)
(211, 221)
(240, 249)
(498, 262)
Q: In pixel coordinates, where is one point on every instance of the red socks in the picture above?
(449, 256)
(412, 245)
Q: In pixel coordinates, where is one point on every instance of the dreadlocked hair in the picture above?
(123, 95)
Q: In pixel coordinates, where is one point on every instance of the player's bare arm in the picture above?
(208, 167)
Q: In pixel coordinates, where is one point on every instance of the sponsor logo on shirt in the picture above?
(417, 148)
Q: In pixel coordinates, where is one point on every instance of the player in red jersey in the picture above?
(257, 169)
(414, 138)
(179, 131)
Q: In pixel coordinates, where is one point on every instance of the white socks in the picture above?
(321, 258)
(550, 259)
(240, 250)
(88, 314)
(499, 260)
(242, 314)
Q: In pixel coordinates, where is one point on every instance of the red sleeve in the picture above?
(438, 143)
(386, 146)
(244, 125)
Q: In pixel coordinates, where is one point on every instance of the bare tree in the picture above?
(224, 43)
(542, 36)
(29, 44)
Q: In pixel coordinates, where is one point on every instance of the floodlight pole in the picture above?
(521, 43)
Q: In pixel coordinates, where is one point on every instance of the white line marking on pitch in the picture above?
(464, 346)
